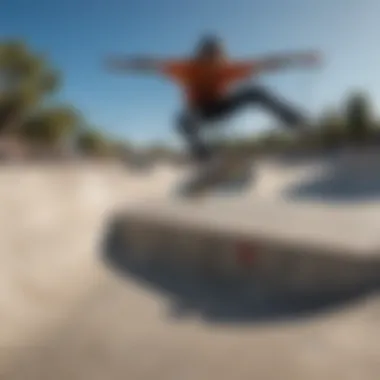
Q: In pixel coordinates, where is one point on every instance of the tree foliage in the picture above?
(26, 79)
(52, 125)
(92, 142)
(332, 128)
(358, 117)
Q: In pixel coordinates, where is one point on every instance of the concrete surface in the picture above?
(67, 314)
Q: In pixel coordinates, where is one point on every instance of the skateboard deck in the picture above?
(229, 173)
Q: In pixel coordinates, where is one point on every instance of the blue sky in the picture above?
(77, 34)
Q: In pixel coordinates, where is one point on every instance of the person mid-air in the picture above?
(206, 78)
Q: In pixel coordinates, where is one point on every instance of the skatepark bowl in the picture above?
(106, 274)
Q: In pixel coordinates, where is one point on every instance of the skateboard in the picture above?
(229, 173)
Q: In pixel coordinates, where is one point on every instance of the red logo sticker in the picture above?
(246, 253)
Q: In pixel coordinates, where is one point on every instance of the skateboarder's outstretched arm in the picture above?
(276, 62)
(144, 64)
(286, 60)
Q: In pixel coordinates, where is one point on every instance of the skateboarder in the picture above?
(206, 78)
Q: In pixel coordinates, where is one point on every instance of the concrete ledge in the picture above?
(280, 246)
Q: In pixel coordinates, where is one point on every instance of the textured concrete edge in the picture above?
(189, 217)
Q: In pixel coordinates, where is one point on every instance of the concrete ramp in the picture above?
(345, 177)
(65, 314)
(52, 218)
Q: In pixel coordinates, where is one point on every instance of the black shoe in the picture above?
(201, 154)
(294, 120)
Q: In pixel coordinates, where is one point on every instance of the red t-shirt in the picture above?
(204, 83)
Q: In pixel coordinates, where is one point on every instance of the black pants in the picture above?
(191, 121)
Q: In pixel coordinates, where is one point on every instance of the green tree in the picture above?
(332, 128)
(93, 143)
(26, 78)
(51, 126)
(359, 119)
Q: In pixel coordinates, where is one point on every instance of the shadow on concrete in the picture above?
(224, 302)
(297, 158)
(343, 179)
